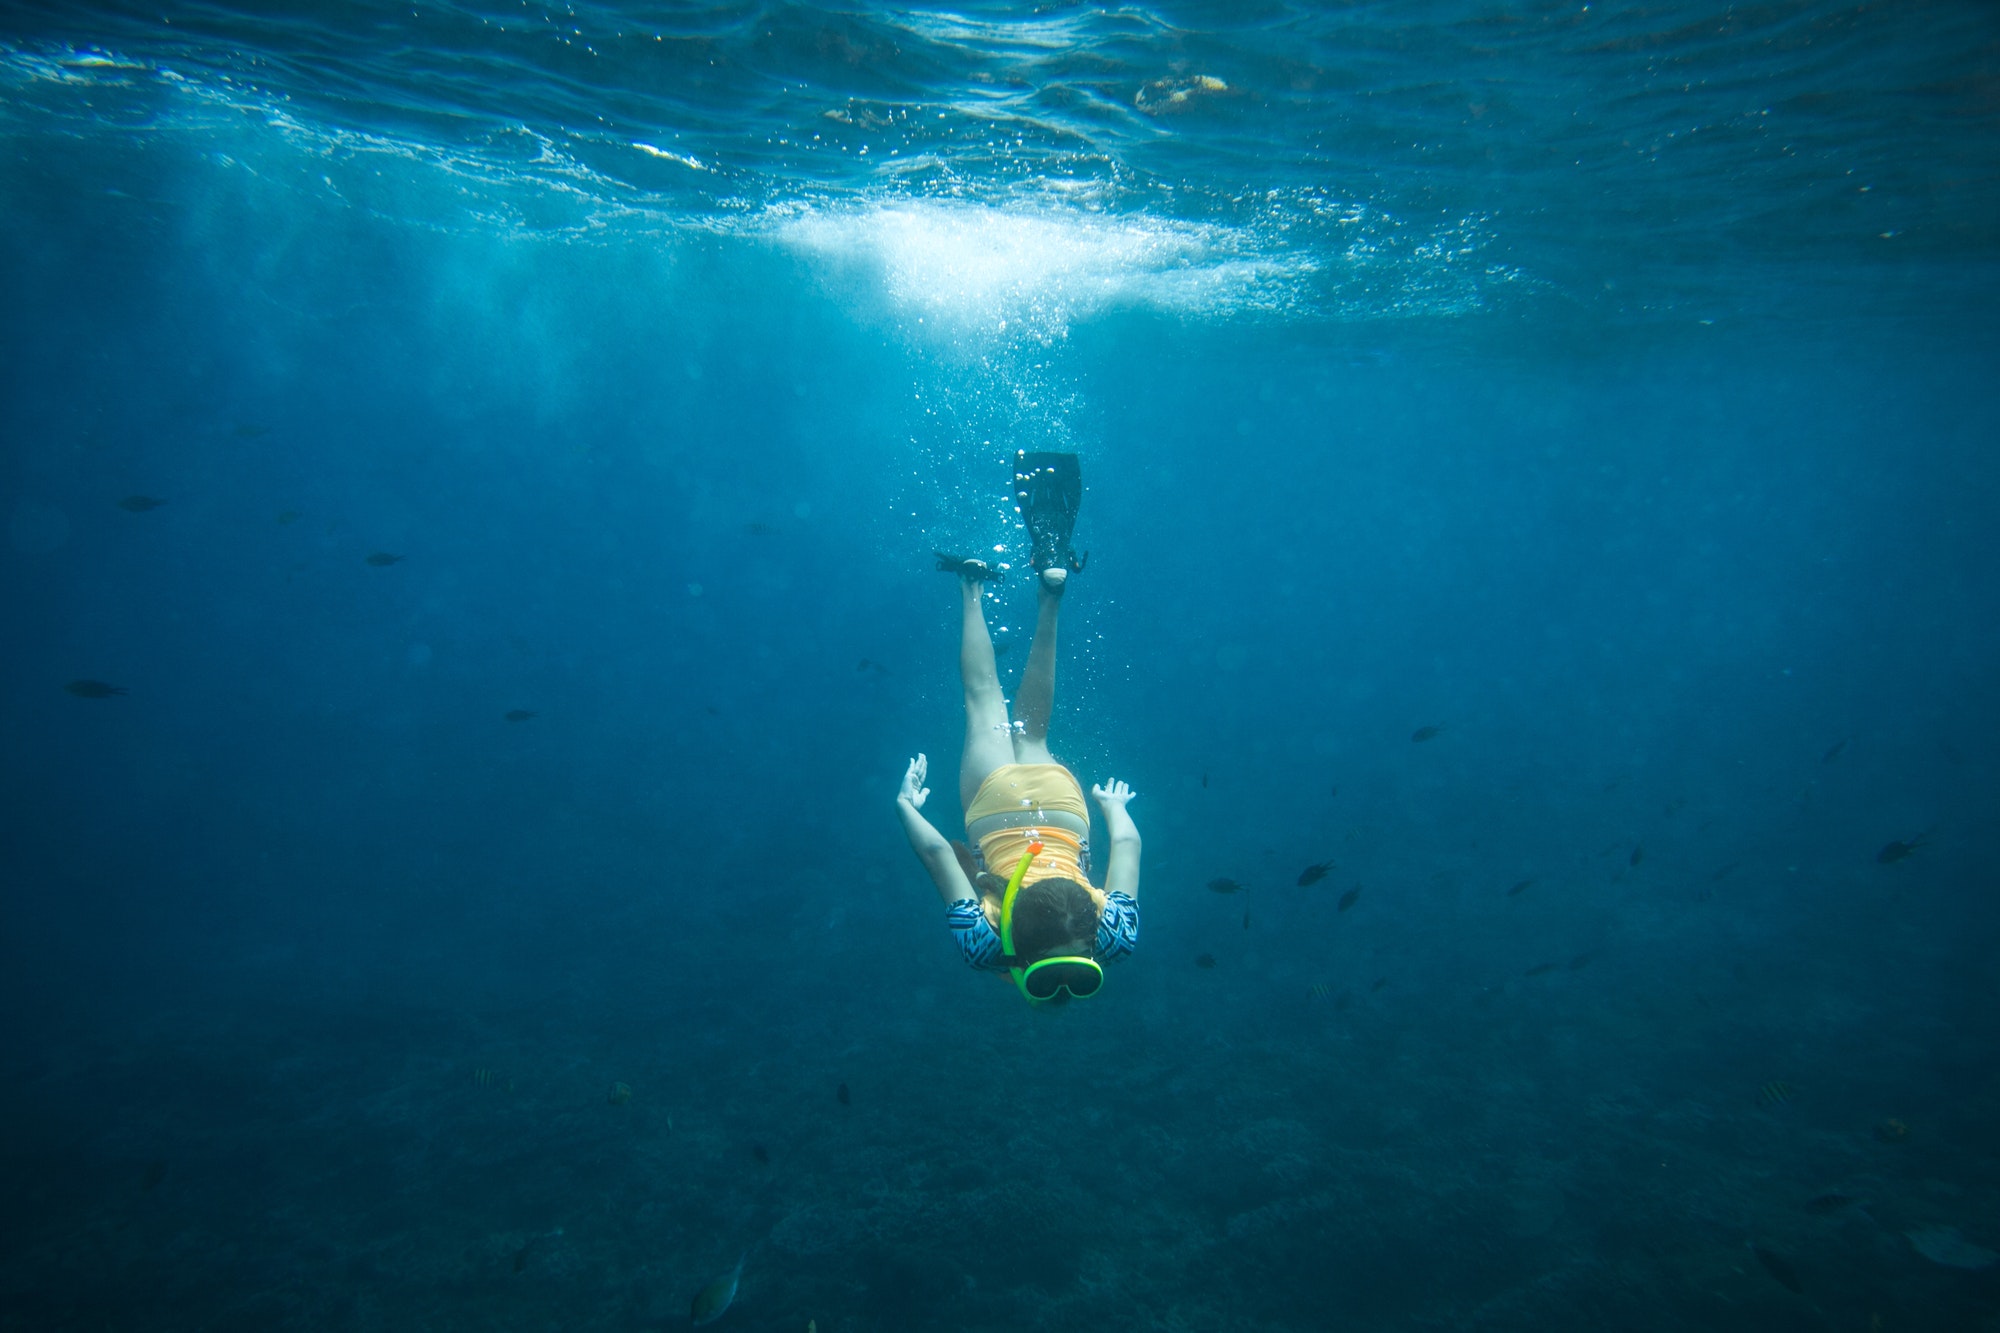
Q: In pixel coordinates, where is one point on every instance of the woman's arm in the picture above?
(927, 842)
(1121, 869)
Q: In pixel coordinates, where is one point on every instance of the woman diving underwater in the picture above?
(1022, 903)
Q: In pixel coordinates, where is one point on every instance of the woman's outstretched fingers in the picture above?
(1113, 792)
(914, 790)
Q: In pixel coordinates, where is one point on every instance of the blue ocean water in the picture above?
(1540, 458)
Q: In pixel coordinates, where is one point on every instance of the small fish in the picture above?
(1422, 734)
(1541, 969)
(1380, 982)
(1319, 990)
(1205, 960)
(1638, 855)
(247, 431)
(1834, 753)
(1520, 888)
(1314, 873)
(1896, 851)
(1348, 899)
(1581, 961)
(382, 559)
(1891, 1131)
(1724, 873)
(1776, 1266)
(518, 714)
(713, 1299)
(1822, 1204)
(1246, 919)
(139, 504)
(759, 529)
(155, 1173)
(1775, 1093)
(1342, 1001)
(1225, 886)
(483, 1077)
(289, 517)
(620, 1094)
(1334, 792)
(843, 1096)
(761, 1153)
(94, 689)
(1204, 779)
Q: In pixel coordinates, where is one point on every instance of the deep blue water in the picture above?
(1611, 387)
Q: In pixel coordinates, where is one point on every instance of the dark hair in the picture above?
(1051, 915)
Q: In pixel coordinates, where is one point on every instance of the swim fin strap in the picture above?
(1049, 489)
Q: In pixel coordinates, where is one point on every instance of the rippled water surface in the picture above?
(1664, 160)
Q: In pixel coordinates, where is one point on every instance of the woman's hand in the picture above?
(1112, 794)
(914, 791)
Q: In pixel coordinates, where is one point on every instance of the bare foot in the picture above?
(1054, 579)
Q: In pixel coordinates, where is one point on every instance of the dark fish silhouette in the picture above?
(713, 1300)
(1348, 899)
(1776, 1266)
(1204, 779)
(1519, 888)
(761, 1153)
(94, 689)
(382, 559)
(1314, 873)
(1724, 872)
(1225, 886)
(1775, 1093)
(865, 664)
(1425, 733)
(1897, 851)
(1380, 982)
(1541, 969)
(1834, 752)
(842, 1095)
(1638, 855)
(1246, 921)
(289, 517)
(759, 529)
(1205, 960)
(1581, 961)
(246, 431)
(139, 504)
(155, 1173)
(518, 714)
(1821, 1205)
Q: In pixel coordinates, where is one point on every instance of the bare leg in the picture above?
(988, 737)
(1036, 700)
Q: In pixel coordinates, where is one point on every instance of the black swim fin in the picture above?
(1049, 489)
(976, 570)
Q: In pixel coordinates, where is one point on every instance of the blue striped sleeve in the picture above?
(976, 938)
(1118, 928)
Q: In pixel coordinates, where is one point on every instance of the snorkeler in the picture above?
(1019, 899)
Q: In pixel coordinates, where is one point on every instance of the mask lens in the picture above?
(1080, 980)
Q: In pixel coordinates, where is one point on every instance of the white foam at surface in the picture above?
(984, 267)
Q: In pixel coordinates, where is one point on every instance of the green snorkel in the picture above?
(1043, 981)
